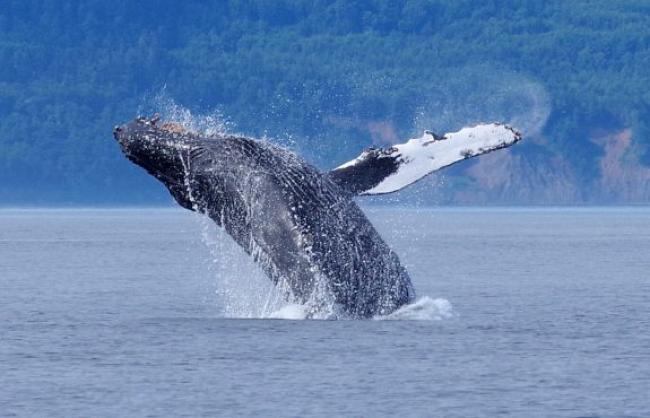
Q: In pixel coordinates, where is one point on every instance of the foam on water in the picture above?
(292, 311)
(423, 309)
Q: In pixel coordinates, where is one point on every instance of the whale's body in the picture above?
(302, 226)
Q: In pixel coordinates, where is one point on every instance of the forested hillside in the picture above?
(330, 78)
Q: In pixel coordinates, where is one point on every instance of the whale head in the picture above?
(161, 149)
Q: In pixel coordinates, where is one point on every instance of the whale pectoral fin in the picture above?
(378, 171)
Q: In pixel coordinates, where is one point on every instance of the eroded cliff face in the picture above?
(623, 178)
(508, 177)
(515, 176)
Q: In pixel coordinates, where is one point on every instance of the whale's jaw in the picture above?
(162, 149)
(151, 147)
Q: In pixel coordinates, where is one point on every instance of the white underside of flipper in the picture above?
(421, 156)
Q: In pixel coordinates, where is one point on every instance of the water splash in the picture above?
(210, 123)
(243, 289)
(290, 312)
(423, 309)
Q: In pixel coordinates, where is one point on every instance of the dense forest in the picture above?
(329, 78)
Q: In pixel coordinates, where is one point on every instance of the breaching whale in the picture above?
(303, 226)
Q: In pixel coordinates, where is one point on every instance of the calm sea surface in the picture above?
(129, 313)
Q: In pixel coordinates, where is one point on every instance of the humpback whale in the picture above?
(302, 226)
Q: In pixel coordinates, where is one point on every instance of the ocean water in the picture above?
(522, 312)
